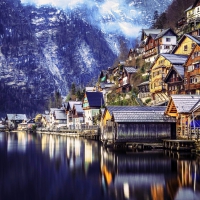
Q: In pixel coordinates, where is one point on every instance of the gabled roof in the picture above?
(175, 59)
(112, 109)
(196, 39)
(16, 117)
(161, 34)
(153, 36)
(185, 103)
(130, 69)
(192, 6)
(141, 116)
(179, 70)
(70, 104)
(147, 32)
(95, 99)
(60, 114)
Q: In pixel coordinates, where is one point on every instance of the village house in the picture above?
(12, 120)
(186, 110)
(92, 103)
(138, 123)
(166, 40)
(193, 13)
(175, 80)
(69, 111)
(186, 44)
(57, 117)
(125, 79)
(158, 72)
(150, 49)
(162, 42)
(143, 91)
(192, 72)
(77, 115)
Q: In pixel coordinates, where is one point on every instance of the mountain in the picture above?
(46, 49)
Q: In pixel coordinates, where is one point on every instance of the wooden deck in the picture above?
(179, 145)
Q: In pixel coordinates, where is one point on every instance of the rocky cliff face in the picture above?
(46, 49)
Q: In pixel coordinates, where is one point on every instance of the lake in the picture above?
(50, 167)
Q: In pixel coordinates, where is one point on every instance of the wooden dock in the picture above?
(90, 133)
(179, 145)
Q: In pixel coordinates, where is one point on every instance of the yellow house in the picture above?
(159, 70)
(186, 44)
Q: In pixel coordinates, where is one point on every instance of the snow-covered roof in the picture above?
(185, 103)
(144, 83)
(16, 117)
(60, 114)
(175, 58)
(130, 69)
(79, 108)
(142, 116)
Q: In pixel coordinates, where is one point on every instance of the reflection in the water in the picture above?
(150, 176)
(58, 167)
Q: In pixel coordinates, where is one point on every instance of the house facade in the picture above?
(193, 13)
(125, 79)
(92, 103)
(192, 72)
(186, 110)
(13, 120)
(186, 44)
(69, 111)
(165, 41)
(159, 70)
(78, 115)
(175, 80)
(144, 123)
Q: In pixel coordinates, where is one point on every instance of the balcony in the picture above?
(149, 54)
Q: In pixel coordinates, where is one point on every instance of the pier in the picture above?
(179, 145)
(90, 132)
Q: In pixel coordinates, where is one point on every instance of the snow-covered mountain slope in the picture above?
(43, 49)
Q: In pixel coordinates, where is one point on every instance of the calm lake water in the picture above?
(57, 167)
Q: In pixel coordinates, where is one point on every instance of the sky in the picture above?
(118, 14)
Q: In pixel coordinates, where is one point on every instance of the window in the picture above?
(169, 87)
(193, 45)
(168, 39)
(190, 68)
(185, 47)
(167, 47)
(185, 81)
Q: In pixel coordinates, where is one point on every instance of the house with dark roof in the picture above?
(92, 103)
(192, 72)
(158, 72)
(186, 110)
(138, 124)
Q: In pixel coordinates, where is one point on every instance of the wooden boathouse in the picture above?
(139, 125)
